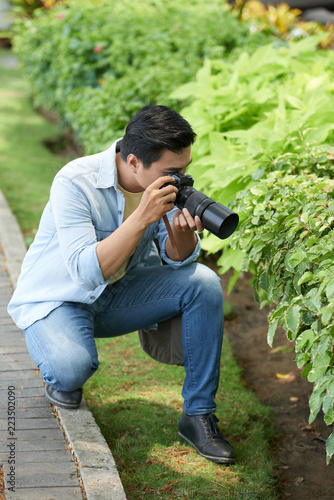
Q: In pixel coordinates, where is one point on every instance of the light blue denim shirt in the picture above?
(85, 206)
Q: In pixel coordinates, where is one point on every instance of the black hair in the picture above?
(154, 129)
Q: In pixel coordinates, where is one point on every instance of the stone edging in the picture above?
(96, 464)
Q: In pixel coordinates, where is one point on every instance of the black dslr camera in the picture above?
(215, 217)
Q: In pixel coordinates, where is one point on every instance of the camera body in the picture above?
(215, 217)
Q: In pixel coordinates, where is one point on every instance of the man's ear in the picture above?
(133, 162)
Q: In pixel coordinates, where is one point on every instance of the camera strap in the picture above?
(171, 236)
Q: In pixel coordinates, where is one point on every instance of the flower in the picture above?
(98, 48)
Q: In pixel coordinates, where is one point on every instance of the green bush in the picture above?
(249, 111)
(289, 244)
(263, 122)
(96, 63)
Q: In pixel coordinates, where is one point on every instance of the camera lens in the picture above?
(215, 217)
(219, 220)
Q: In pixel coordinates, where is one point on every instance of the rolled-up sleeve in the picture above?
(162, 235)
(76, 233)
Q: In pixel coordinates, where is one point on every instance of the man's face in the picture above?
(169, 163)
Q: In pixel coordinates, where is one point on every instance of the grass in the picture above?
(27, 166)
(135, 400)
(137, 403)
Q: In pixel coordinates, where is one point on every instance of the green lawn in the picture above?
(135, 400)
(27, 166)
(137, 403)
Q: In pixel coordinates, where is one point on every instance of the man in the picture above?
(93, 270)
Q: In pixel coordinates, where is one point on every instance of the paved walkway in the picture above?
(37, 463)
(35, 441)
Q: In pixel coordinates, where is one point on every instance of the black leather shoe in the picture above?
(201, 432)
(69, 400)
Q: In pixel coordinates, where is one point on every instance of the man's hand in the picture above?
(156, 201)
(184, 222)
(183, 229)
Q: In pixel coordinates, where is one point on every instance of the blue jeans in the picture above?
(63, 346)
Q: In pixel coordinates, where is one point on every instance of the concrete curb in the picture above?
(95, 461)
(96, 464)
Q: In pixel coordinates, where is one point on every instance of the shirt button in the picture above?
(119, 211)
(92, 297)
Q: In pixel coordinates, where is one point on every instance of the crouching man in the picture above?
(93, 270)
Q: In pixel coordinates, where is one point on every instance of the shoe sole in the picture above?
(65, 406)
(217, 460)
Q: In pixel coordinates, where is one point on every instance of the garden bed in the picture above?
(272, 374)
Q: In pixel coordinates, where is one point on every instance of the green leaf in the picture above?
(305, 277)
(320, 134)
(307, 370)
(320, 366)
(294, 101)
(259, 172)
(304, 217)
(330, 388)
(292, 318)
(330, 447)
(329, 415)
(306, 44)
(233, 281)
(327, 405)
(306, 337)
(313, 300)
(259, 189)
(271, 331)
(260, 208)
(264, 282)
(315, 403)
(296, 258)
(330, 290)
(327, 313)
(301, 359)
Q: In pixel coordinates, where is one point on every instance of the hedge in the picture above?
(265, 132)
(96, 63)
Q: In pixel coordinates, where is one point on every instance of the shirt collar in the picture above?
(108, 170)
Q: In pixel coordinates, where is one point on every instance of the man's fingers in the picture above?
(186, 221)
(158, 183)
(199, 225)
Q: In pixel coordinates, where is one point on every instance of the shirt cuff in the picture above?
(178, 263)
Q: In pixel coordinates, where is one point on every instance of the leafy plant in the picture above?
(263, 122)
(288, 240)
(117, 57)
(27, 7)
(260, 106)
(281, 20)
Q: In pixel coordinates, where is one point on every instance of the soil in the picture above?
(271, 373)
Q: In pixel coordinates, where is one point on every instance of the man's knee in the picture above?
(208, 282)
(69, 371)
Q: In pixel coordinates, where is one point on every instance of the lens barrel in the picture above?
(215, 217)
(220, 220)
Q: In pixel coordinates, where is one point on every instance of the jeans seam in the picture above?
(120, 308)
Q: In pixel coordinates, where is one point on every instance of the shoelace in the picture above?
(210, 425)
